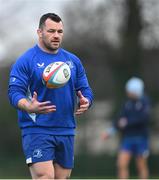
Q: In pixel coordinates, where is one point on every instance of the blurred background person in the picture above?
(133, 123)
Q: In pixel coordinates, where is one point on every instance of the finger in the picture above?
(81, 110)
(78, 113)
(34, 96)
(80, 95)
(47, 108)
(45, 103)
(47, 111)
(84, 106)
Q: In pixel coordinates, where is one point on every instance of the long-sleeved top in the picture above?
(137, 113)
(26, 77)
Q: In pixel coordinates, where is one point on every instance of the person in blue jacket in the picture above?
(133, 122)
(47, 116)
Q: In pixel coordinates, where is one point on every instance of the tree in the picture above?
(87, 35)
(128, 63)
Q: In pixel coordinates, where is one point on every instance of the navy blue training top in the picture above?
(137, 113)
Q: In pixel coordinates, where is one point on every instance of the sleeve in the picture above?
(82, 83)
(122, 113)
(18, 81)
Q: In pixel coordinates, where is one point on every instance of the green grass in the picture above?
(86, 167)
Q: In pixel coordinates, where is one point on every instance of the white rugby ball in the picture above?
(56, 74)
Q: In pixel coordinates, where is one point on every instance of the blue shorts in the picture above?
(43, 147)
(138, 146)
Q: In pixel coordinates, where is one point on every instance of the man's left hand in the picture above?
(122, 122)
(83, 104)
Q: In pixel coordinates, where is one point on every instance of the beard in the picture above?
(51, 47)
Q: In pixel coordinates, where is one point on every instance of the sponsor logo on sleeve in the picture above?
(40, 65)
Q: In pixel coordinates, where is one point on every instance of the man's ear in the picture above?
(39, 32)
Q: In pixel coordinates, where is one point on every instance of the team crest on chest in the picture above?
(70, 64)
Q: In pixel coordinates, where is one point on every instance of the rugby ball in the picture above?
(56, 74)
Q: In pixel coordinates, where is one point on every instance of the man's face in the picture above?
(50, 36)
(132, 96)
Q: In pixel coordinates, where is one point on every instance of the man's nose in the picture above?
(56, 34)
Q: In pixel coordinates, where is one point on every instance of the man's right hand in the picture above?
(34, 106)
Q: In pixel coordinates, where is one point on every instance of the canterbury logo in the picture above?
(40, 65)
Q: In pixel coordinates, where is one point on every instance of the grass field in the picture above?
(86, 167)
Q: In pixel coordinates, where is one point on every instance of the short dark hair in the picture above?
(52, 16)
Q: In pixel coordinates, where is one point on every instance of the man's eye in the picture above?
(60, 31)
(51, 31)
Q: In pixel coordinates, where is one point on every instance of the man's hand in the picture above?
(122, 122)
(34, 106)
(83, 104)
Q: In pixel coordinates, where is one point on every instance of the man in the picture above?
(46, 116)
(133, 125)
